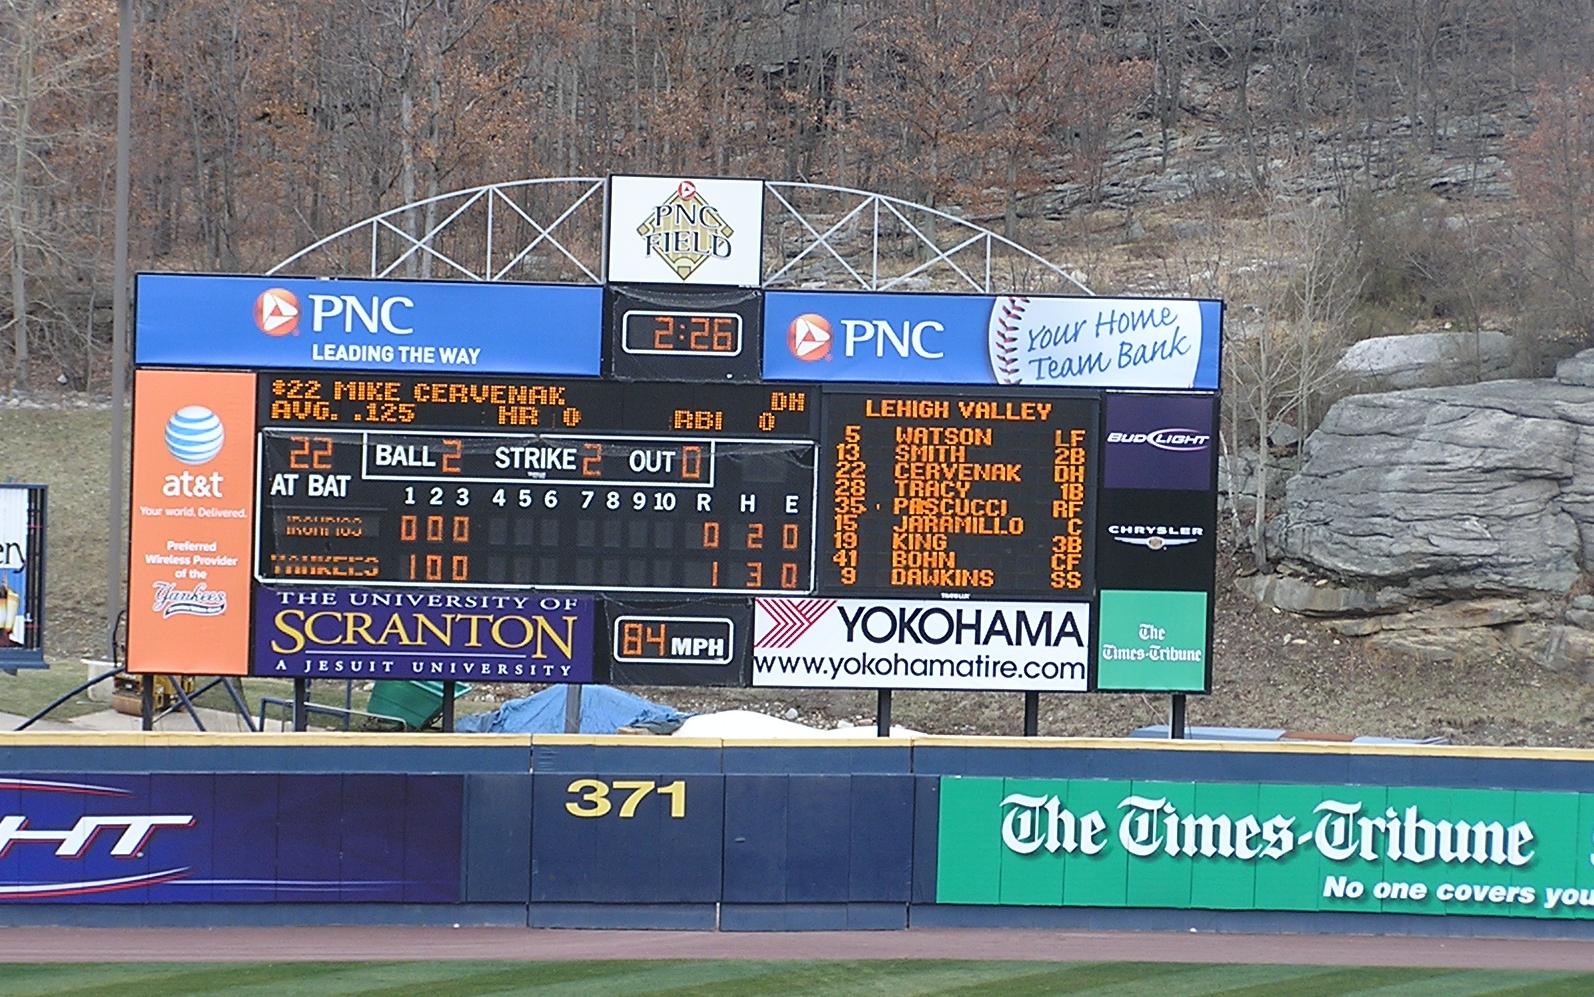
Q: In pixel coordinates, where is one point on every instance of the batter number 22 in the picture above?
(594, 796)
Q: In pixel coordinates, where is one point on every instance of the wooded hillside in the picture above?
(1427, 158)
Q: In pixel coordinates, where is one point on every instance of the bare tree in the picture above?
(1281, 352)
(49, 135)
(1555, 169)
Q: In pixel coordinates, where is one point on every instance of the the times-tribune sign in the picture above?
(911, 644)
(1264, 846)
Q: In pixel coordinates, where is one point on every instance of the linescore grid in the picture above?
(573, 509)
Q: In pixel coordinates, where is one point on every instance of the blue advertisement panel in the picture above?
(631, 837)
(1167, 343)
(193, 320)
(206, 838)
(347, 633)
(1160, 441)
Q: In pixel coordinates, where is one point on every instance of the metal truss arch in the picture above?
(553, 229)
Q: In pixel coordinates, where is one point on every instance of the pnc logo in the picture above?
(277, 312)
(809, 337)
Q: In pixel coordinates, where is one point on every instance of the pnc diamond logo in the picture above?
(686, 231)
(809, 337)
(277, 312)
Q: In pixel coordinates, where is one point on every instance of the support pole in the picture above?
(1032, 713)
(124, 102)
(184, 703)
(146, 702)
(573, 709)
(448, 706)
(882, 714)
(241, 705)
(1176, 728)
(301, 700)
(72, 694)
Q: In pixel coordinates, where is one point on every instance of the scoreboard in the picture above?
(552, 485)
(659, 483)
(938, 493)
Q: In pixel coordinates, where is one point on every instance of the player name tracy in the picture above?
(929, 408)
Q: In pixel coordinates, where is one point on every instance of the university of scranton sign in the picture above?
(474, 636)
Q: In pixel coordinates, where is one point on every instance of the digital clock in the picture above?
(666, 332)
(683, 334)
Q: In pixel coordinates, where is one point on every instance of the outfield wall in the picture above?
(124, 829)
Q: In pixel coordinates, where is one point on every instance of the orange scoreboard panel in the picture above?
(933, 493)
(192, 522)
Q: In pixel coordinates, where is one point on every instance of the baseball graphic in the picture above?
(1095, 341)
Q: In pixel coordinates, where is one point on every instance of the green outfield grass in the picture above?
(704, 979)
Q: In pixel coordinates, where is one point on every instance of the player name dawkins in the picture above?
(930, 408)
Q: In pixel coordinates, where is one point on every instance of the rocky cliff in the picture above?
(1450, 520)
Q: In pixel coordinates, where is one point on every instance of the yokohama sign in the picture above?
(898, 644)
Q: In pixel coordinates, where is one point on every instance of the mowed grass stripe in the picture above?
(1545, 985)
(897, 978)
(1211, 980)
(169, 978)
(1460, 983)
(554, 978)
(1329, 982)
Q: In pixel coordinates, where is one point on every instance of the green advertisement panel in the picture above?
(1262, 846)
(1152, 641)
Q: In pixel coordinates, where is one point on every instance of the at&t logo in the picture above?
(194, 436)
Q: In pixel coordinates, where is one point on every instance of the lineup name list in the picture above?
(962, 494)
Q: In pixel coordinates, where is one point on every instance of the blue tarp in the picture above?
(604, 710)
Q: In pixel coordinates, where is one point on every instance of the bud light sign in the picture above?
(1159, 441)
(187, 838)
